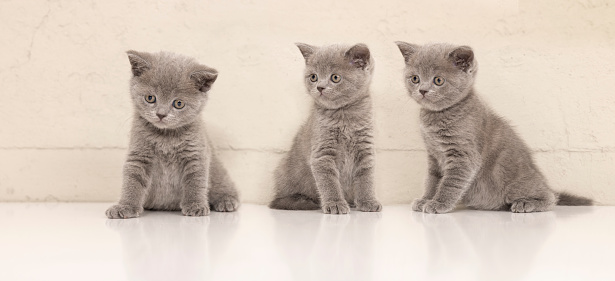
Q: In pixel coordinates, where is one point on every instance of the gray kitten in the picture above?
(331, 162)
(475, 157)
(171, 164)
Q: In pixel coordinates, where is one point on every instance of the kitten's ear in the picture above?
(407, 49)
(306, 50)
(358, 55)
(462, 57)
(204, 78)
(138, 62)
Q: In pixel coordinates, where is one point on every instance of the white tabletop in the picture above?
(75, 241)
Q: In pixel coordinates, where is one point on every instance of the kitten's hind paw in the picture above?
(435, 207)
(369, 206)
(417, 204)
(529, 206)
(195, 210)
(123, 212)
(336, 207)
(225, 204)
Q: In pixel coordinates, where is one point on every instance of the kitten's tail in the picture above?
(567, 199)
(294, 202)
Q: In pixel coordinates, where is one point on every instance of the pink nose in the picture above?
(423, 92)
(161, 115)
(320, 89)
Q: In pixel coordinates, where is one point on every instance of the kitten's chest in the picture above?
(165, 191)
(168, 147)
(166, 170)
(345, 135)
(170, 157)
(440, 137)
(350, 139)
(349, 144)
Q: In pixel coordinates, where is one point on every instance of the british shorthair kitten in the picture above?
(331, 163)
(475, 156)
(171, 164)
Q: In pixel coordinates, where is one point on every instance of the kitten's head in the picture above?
(167, 89)
(438, 76)
(336, 75)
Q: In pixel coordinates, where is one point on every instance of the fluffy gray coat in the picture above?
(171, 164)
(475, 157)
(331, 162)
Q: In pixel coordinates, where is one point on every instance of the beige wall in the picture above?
(548, 66)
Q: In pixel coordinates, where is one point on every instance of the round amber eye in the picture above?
(313, 77)
(438, 81)
(336, 78)
(178, 104)
(150, 99)
(415, 79)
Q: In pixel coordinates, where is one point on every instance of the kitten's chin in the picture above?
(324, 102)
(428, 104)
(329, 102)
(161, 124)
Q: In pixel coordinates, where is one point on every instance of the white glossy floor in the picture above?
(74, 241)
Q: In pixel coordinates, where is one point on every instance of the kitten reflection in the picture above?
(168, 246)
(326, 245)
(504, 243)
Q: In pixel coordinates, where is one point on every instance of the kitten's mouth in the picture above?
(160, 123)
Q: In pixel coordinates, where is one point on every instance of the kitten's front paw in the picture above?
(195, 210)
(369, 206)
(417, 204)
(336, 208)
(123, 212)
(435, 207)
(225, 204)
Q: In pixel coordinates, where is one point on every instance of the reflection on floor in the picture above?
(73, 241)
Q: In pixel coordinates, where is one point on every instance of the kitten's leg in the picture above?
(363, 181)
(327, 177)
(137, 175)
(223, 196)
(294, 189)
(458, 173)
(431, 183)
(195, 182)
(530, 195)
(295, 201)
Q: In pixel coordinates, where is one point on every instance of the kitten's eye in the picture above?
(178, 104)
(150, 99)
(438, 81)
(336, 78)
(313, 77)
(415, 79)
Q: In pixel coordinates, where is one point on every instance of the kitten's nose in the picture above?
(423, 92)
(320, 89)
(161, 115)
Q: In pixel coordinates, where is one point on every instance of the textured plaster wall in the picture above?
(548, 66)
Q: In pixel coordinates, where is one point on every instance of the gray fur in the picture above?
(475, 157)
(171, 164)
(331, 162)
